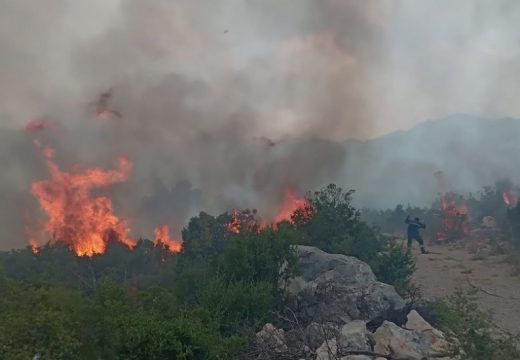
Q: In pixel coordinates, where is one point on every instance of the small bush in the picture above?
(472, 331)
(395, 266)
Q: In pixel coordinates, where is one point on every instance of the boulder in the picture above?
(328, 350)
(316, 334)
(409, 344)
(339, 288)
(418, 341)
(354, 336)
(436, 338)
(271, 339)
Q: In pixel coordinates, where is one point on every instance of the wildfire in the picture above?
(35, 249)
(509, 198)
(454, 222)
(234, 225)
(162, 238)
(454, 219)
(290, 203)
(85, 223)
(246, 220)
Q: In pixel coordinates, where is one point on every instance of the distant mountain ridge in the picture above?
(398, 167)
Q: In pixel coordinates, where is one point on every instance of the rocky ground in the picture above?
(471, 265)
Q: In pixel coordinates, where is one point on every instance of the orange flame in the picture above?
(234, 225)
(454, 223)
(162, 238)
(35, 249)
(86, 224)
(245, 220)
(290, 203)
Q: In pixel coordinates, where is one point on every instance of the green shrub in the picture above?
(395, 266)
(331, 223)
(472, 331)
(185, 337)
(240, 285)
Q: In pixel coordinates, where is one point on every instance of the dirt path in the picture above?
(441, 274)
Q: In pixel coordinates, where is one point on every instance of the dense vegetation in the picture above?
(207, 301)
(204, 303)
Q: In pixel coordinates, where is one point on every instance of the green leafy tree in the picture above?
(205, 235)
(330, 222)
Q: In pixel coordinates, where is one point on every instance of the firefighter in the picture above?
(413, 232)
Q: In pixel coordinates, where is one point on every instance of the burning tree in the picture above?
(85, 223)
(454, 213)
(247, 220)
(163, 238)
(454, 218)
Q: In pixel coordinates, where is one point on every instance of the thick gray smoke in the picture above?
(225, 103)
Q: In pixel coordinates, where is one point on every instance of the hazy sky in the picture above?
(199, 83)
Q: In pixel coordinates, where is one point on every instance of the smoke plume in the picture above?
(224, 104)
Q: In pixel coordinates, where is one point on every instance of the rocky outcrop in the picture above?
(316, 333)
(422, 342)
(436, 339)
(339, 288)
(328, 350)
(335, 297)
(271, 340)
(354, 336)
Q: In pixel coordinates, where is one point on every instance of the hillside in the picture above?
(398, 168)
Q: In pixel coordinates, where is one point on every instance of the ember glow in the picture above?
(509, 198)
(85, 223)
(162, 238)
(39, 125)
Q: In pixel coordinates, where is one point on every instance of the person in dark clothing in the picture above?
(413, 232)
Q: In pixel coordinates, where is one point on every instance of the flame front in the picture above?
(245, 220)
(86, 224)
(162, 238)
